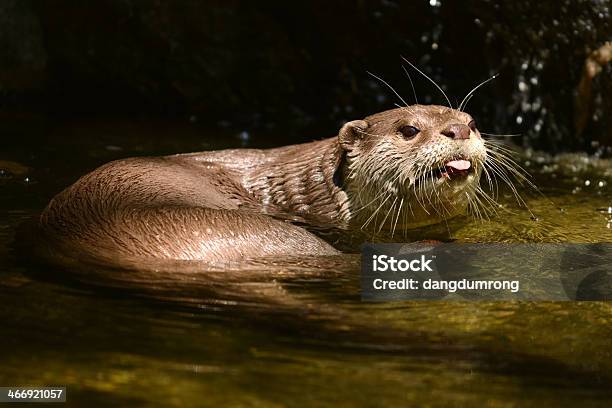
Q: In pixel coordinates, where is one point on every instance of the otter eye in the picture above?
(472, 125)
(408, 131)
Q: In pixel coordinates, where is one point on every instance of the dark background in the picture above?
(300, 67)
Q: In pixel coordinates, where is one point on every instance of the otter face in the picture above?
(416, 165)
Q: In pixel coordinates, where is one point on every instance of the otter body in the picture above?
(396, 169)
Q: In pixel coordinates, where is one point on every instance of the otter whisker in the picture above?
(503, 156)
(375, 198)
(490, 180)
(428, 195)
(488, 207)
(417, 196)
(421, 171)
(411, 212)
(492, 203)
(443, 212)
(508, 166)
(468, 100)
(368, 204)
(389, 194)
(439, 201)
(376, 211)
(496, 135)
(431, 80)
(499, 151)
(416, 100)
(399, 211)
(499, 169)
(516, 169)
(382, 224)
(518, 197)
(486, 210)
(447, 210)
(499, 146)
(504, 153)
(465, 99)
(472, 206)
(389, 86)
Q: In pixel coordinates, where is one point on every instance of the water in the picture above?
(290, 336)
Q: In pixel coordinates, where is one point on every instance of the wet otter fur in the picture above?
(396, 169)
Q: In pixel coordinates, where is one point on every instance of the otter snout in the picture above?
(457, 131)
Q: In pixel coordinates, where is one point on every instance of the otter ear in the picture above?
(352, 132)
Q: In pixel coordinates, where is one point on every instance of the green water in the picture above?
(291, 337)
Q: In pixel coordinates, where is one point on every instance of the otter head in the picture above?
(411, 166)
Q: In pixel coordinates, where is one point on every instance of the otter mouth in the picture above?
(454, 170)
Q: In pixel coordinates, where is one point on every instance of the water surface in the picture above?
(291, 336)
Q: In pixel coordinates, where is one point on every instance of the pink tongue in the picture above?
(459, 164)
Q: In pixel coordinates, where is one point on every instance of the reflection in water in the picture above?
(294, 331)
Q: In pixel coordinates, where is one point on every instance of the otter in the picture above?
(397, 169)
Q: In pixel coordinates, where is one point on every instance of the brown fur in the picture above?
(212, 206)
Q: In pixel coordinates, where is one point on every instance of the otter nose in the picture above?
(457, 131)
